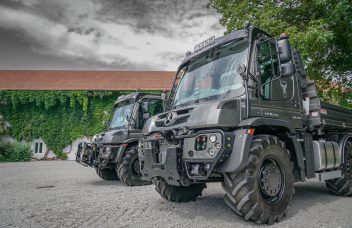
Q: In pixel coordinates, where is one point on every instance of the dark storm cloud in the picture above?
(114, 34)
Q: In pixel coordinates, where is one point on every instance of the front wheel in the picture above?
(107, 174)
(178, 193)
(262, 191)
(129, 170)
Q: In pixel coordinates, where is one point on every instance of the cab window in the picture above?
(268, 65)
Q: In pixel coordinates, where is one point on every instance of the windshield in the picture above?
(213, 75)
(122, 111)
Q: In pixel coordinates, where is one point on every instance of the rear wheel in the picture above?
(343, 186)
(262, 191)
(178, 193)
(107, 174)
(129, 170)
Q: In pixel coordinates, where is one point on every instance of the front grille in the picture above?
(182, 116)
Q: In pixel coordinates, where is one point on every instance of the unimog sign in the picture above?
(241, 112)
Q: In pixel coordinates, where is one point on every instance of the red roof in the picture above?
(86, 80)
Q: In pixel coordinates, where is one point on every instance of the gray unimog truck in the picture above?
(114, 153)
(242, 112)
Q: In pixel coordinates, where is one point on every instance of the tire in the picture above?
(343, 186)
(129, 169)
(262, 191)
(107, 174)
(178, 193)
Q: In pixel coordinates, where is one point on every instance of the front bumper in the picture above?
(86, 154)
(96, 155)
(186, 161)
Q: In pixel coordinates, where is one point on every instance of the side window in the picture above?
(155, 106)
(268, 66)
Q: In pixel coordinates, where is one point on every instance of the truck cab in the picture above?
(113, 153)
(242, 112)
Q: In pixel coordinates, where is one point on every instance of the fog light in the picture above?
(217, 145)
(212, 138)
(211, 151)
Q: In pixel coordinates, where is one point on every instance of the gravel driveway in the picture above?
(66, 194)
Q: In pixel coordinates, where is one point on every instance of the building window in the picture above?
(38, 148)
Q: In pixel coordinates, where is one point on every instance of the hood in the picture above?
(225, 113)
(110, 137)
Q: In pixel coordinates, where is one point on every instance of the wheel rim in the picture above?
(271, 180)
(136, 168)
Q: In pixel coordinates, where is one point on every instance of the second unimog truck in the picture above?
(114, 153)
(242, 112)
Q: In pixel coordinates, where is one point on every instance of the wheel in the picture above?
(129, 170)
(178, 193)
(262, 191)
(343, 186)
(107, 174)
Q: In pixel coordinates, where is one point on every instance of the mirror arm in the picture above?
(252, 77)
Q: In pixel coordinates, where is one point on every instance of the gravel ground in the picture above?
(66, 194)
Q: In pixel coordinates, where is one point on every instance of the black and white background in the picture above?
(102, 35)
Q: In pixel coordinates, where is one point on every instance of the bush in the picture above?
(3, 130)
(15, 152)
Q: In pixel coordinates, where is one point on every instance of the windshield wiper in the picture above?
(184, 104)
(197, 101)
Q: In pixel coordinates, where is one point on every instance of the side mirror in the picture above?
(146, 116)
(284, 50)
(145, 107)
(287, 69)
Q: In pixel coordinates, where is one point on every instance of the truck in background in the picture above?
(114, 153)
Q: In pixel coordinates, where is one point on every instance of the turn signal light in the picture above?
(284, 35)
(250, 131)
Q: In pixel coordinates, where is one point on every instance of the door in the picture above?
(277, 94)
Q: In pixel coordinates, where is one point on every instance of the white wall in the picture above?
(48, 154)
(71, 149)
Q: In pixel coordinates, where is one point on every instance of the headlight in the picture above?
(200, 143)
(212, 138)
(211, 151)
(202, 146)
(217, 146)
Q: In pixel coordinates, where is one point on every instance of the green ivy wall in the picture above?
(58, 117)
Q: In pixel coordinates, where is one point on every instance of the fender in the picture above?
(239, 156)
(262, 121)
(122, 149)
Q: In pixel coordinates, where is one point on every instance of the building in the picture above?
(81, 80)
(86, 80)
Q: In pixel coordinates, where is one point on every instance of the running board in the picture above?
(327, 175)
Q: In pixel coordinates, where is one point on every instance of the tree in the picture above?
(320, 29)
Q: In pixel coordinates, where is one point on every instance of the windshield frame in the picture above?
(132, 102)
(184, 67)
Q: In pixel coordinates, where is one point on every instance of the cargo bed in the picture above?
(332, 116)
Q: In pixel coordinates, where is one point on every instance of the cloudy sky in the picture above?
(102, 35)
